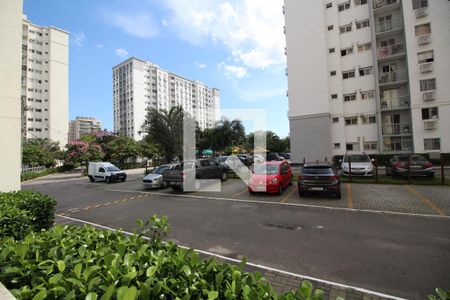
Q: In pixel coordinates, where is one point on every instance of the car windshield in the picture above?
(267, 169)
(113, 169)
(160, 169)
(357, 158)
(317, 171)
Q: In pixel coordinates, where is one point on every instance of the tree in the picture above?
(79, 152)
(122, 148)
(273, 141)
(228, 133)
(41, 152)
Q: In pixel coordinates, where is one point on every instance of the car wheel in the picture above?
(107, 180)
(224, 176)
(123, 180)
(91, 178)
(280, 190)
(338, 195)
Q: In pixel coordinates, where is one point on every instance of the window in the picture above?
(432, 144)
(370, 146)
(345, 28)
(334, 96)
(362, 24)
(352, 146)
(364, 47)
(347, 51)
(329, 5)
(423, 29)
(360, 2)
(332, 73)
(351, 121)
(419, 3)
(335, 120)
(344, 6)
(348, 74)
(331, 50)
(430, 113)
(350, 97)
(369, 119)
(101, 170)
(330, 27)
(367, 94)
(365, 71)
(427, 85)
(425, 57)
(337, 145)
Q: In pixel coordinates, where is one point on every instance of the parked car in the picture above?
(246, 159)
(285, 155)
(361, 165)
(319, 177)
(258, 159)
(418, 166)
(271, 156)
(105, 171)
(154, 178)
(230, 162)
(270, 177)
(204, 169)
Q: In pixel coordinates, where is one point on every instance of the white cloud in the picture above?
(99, 46)
(121, 52)
(200, 65)
(79, 38)
(137, 24)
(164, 22)
(252, 30)
(235, 71)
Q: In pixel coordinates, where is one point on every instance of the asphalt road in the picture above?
(402, 255)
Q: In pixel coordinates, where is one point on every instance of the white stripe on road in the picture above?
(278, 203)
(249, 263)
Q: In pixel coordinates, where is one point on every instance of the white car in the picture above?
(360, 163)
(154, 180)
(105, 171)
(258, 159)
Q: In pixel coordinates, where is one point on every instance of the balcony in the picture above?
(426, 68)
(424, 39)
(383, 4)
(389, 26)
(398, 144)
(401, 102)
(397, 129)
(391, 51)
(421, 12)
(394, 77)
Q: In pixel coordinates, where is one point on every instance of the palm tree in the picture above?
(229, 133)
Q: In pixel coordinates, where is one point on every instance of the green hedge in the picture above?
(24, 211)
(32, 175)
(85, 263)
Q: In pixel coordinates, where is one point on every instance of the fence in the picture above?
(33, 170)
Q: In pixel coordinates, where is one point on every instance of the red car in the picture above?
(270, 177)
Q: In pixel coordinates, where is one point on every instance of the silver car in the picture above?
(154, 179)
(361, 165)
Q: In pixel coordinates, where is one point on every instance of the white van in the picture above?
(105, 171)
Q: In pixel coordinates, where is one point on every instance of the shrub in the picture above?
(14, 222)
(40, 208)
(29, 176)
(81, 262)
(441, 295)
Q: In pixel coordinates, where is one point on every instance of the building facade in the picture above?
(368, 76)
(45, 82)
(138, 85)
(82, 126)
(10, 105)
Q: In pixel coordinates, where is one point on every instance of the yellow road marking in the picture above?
(245, 190)
(132, 198)
(124, 200)
(97, 206)
(288, 195)
(107, 203)
(140, 196)
(350, 195)
(62, 214)
(426, 201)
(117, 201)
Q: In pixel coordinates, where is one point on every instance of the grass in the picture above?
(29, 176)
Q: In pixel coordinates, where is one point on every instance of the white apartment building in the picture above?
(139, 84)
(368, 75)
(10, 106)
(45, 82)
(82, 126)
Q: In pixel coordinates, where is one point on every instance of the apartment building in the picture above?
(139, 84)
(45, 82)
(10, 106)
(368, 75)
(82, 126)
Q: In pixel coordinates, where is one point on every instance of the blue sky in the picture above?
(236, 46)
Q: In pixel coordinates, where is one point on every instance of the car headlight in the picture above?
(275, 180)
(370, 168)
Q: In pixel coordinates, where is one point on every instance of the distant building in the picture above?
(139, 84)
(82, 126)
(45, 82)
(368, 75)
(10, 106)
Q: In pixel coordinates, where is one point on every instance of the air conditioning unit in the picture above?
(424, 39)
(428, 96)
(426, 68)
(421, 12)
(430, 124)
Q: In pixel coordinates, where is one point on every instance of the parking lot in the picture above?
(391, 239)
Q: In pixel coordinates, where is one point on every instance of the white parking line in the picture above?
(278, 203)
(250, 264)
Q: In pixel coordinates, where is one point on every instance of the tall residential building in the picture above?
(368, 75)
(45, 82)
(10, 106)
(139, 84)
(82, 126)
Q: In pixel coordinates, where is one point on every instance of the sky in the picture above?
(236, 46)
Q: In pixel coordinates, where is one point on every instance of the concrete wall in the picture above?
(10, 90)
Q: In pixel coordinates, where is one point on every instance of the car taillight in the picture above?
(399, 165)
(332, 177)
(429, 165)
(183, 175)
(301, 177)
